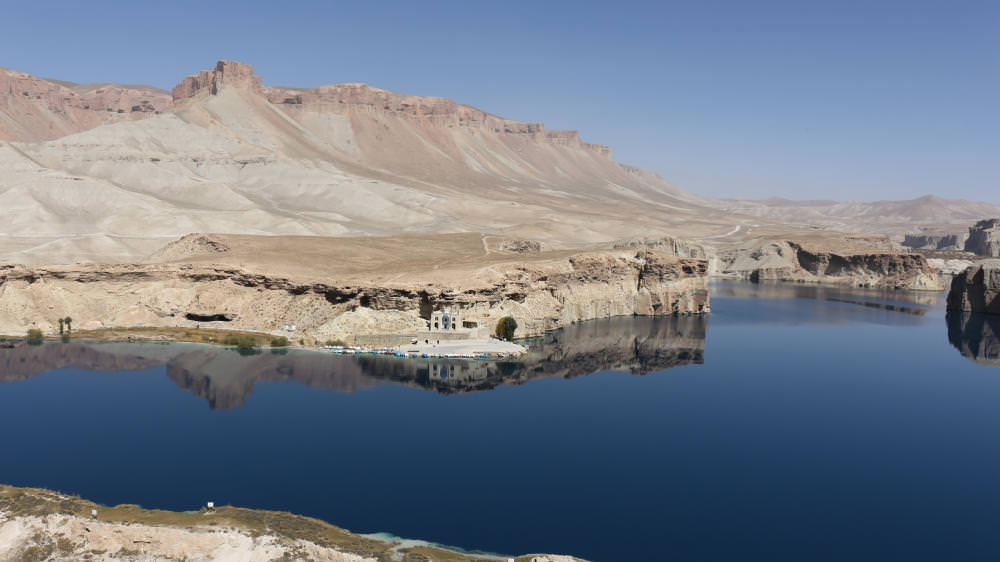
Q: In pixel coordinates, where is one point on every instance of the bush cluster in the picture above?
(35, 336)
(243, 343)
(506, 328)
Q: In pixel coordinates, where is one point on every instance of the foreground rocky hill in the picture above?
(43, 525)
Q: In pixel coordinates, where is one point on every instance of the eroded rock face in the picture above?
(977, 289)
(935, 241)
(984, 238)
(791, 261)
(34, 109)
(440, 111)
(541, 295)
(225, 74)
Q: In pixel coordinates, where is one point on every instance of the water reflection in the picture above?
(976, 336)
(225, 378)
(886, 299)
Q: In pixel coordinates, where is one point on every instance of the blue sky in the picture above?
(841, 100)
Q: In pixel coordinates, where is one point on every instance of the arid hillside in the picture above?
(112, 173)
(226, 154)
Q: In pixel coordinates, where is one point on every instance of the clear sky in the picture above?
(834, 99)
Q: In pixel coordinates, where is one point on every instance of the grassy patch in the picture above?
(196, 335)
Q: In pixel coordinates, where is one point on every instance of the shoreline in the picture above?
(478, 349)
(45, 524)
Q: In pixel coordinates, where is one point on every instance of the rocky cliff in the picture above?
(40, 524)
(33, 109)
(942, 241)
(843, 264)
(984, 238)
(977, 289)
(542, 292)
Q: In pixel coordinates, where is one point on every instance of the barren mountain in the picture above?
(896, 218)
(226, 154)
(106, 172)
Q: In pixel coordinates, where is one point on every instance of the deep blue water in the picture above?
(796, 423)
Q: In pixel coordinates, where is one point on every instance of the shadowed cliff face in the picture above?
(225, 378)
(976, 336)
(977, 289)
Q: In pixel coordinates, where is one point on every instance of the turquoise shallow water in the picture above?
(796, 423)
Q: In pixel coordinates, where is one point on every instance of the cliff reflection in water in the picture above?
(886, 306)
(976, 336)
(225, 378)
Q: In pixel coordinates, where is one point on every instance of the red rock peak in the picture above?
(227, 74)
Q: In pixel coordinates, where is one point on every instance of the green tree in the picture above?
(69, 323)
(61, 322)
(506, 328)
(279, 341)
(35, 336)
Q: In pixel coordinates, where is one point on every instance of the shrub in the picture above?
(242, 343)
(335, 343)
(279, 341)
(35, 336)
(506, 328)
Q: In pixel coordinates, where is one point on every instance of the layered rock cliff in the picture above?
(542, 294)
(977, 289)
(852, 265)
(33, 109)
(941, 241)
(984, 238)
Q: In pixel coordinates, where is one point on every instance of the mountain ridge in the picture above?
(112, 173)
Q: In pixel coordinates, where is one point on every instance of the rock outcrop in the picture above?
(926, 241)
(225, 74)
(984, 238)
(40, 524)
(769, 260)
(543, 294)
(977, 289)
(33, 109)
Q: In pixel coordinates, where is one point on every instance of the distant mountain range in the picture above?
(105, 172)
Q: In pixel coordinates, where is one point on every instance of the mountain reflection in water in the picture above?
(976, 336)
(225, 378)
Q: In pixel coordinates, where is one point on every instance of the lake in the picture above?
(795, 423)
